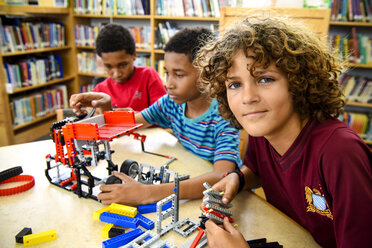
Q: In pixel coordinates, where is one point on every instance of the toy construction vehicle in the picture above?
(82, 141)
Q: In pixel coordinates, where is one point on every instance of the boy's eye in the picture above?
(122, 65)
(180, 75)
(233, 85)
(265, 80)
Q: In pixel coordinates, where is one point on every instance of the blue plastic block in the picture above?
(122, 239)
(145, 222)
(151, 208)
(119, 220)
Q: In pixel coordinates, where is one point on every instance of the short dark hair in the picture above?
(188, 41)
(114, 37)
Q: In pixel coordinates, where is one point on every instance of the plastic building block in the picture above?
(145, 222)
(151, 208)
(41, 237)
(97, 214)
(106, 229)
(122, 239)
(115, 232)
(109, 231)
(149, 239)
(25, 231)
(123, 210)
(119, 220)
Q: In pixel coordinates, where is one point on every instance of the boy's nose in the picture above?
(249, 94)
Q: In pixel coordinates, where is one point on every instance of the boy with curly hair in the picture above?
(279, 83)
(191, 114)
(129, 86)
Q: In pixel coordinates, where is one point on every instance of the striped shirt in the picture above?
(207, 136)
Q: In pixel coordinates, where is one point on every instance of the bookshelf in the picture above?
(12, 132)
(359, 110)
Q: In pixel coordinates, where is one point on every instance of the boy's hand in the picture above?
(130, 192)
(100, 101)
(229, 185)
(224, 236)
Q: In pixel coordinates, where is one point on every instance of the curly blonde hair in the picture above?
(311, 68)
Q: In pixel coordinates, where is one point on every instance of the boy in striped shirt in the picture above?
(191, 114)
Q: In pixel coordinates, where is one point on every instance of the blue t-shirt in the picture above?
(207, 136)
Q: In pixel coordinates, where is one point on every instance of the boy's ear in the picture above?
(134, 55)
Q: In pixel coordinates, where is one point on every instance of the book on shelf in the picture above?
(32, 71)
(21, 36)
(112, 7)
(351, 10)
(28, 108)
(360, 123)
(355, 49)
(356, 89)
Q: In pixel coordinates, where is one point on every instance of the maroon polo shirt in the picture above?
(323, 182)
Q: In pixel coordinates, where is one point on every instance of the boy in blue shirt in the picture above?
(191, 114)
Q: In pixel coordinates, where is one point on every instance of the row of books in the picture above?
(112, 7)
(356, 88)
(90, 62)
(197, 8)
(351, 10)
(166, 30)
(86, 35)
(356, 48)
(32, 71)
(28, 108)
(23, 36)
(88, 87)
(360, 123)
(159, 66)
(163, 33)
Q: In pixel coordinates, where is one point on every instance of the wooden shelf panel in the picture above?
(359, 104)
(187, 18)
(367, 66)
(87, 74)
(41, 50)
(52, 82)
(353, 24)
(31, 9)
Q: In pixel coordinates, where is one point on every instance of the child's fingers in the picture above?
(123, 177)
(227, 225)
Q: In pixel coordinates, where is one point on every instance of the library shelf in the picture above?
(48, 83)
(37, 120)
(88, 74)
(33, 51)
(11, 133)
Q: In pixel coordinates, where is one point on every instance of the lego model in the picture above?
(177, 225)
(79, 144)
(149, 239)
(212, 211)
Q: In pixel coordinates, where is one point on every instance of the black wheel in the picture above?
(130, 168)
(113, 180)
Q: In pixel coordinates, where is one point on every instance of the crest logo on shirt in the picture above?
(317, 203)
(137, 95)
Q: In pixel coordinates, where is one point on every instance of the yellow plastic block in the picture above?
(106, 229)
(41, 237)
(123, 210)
(98, 213)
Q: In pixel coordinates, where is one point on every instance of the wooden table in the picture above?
(46, 206)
